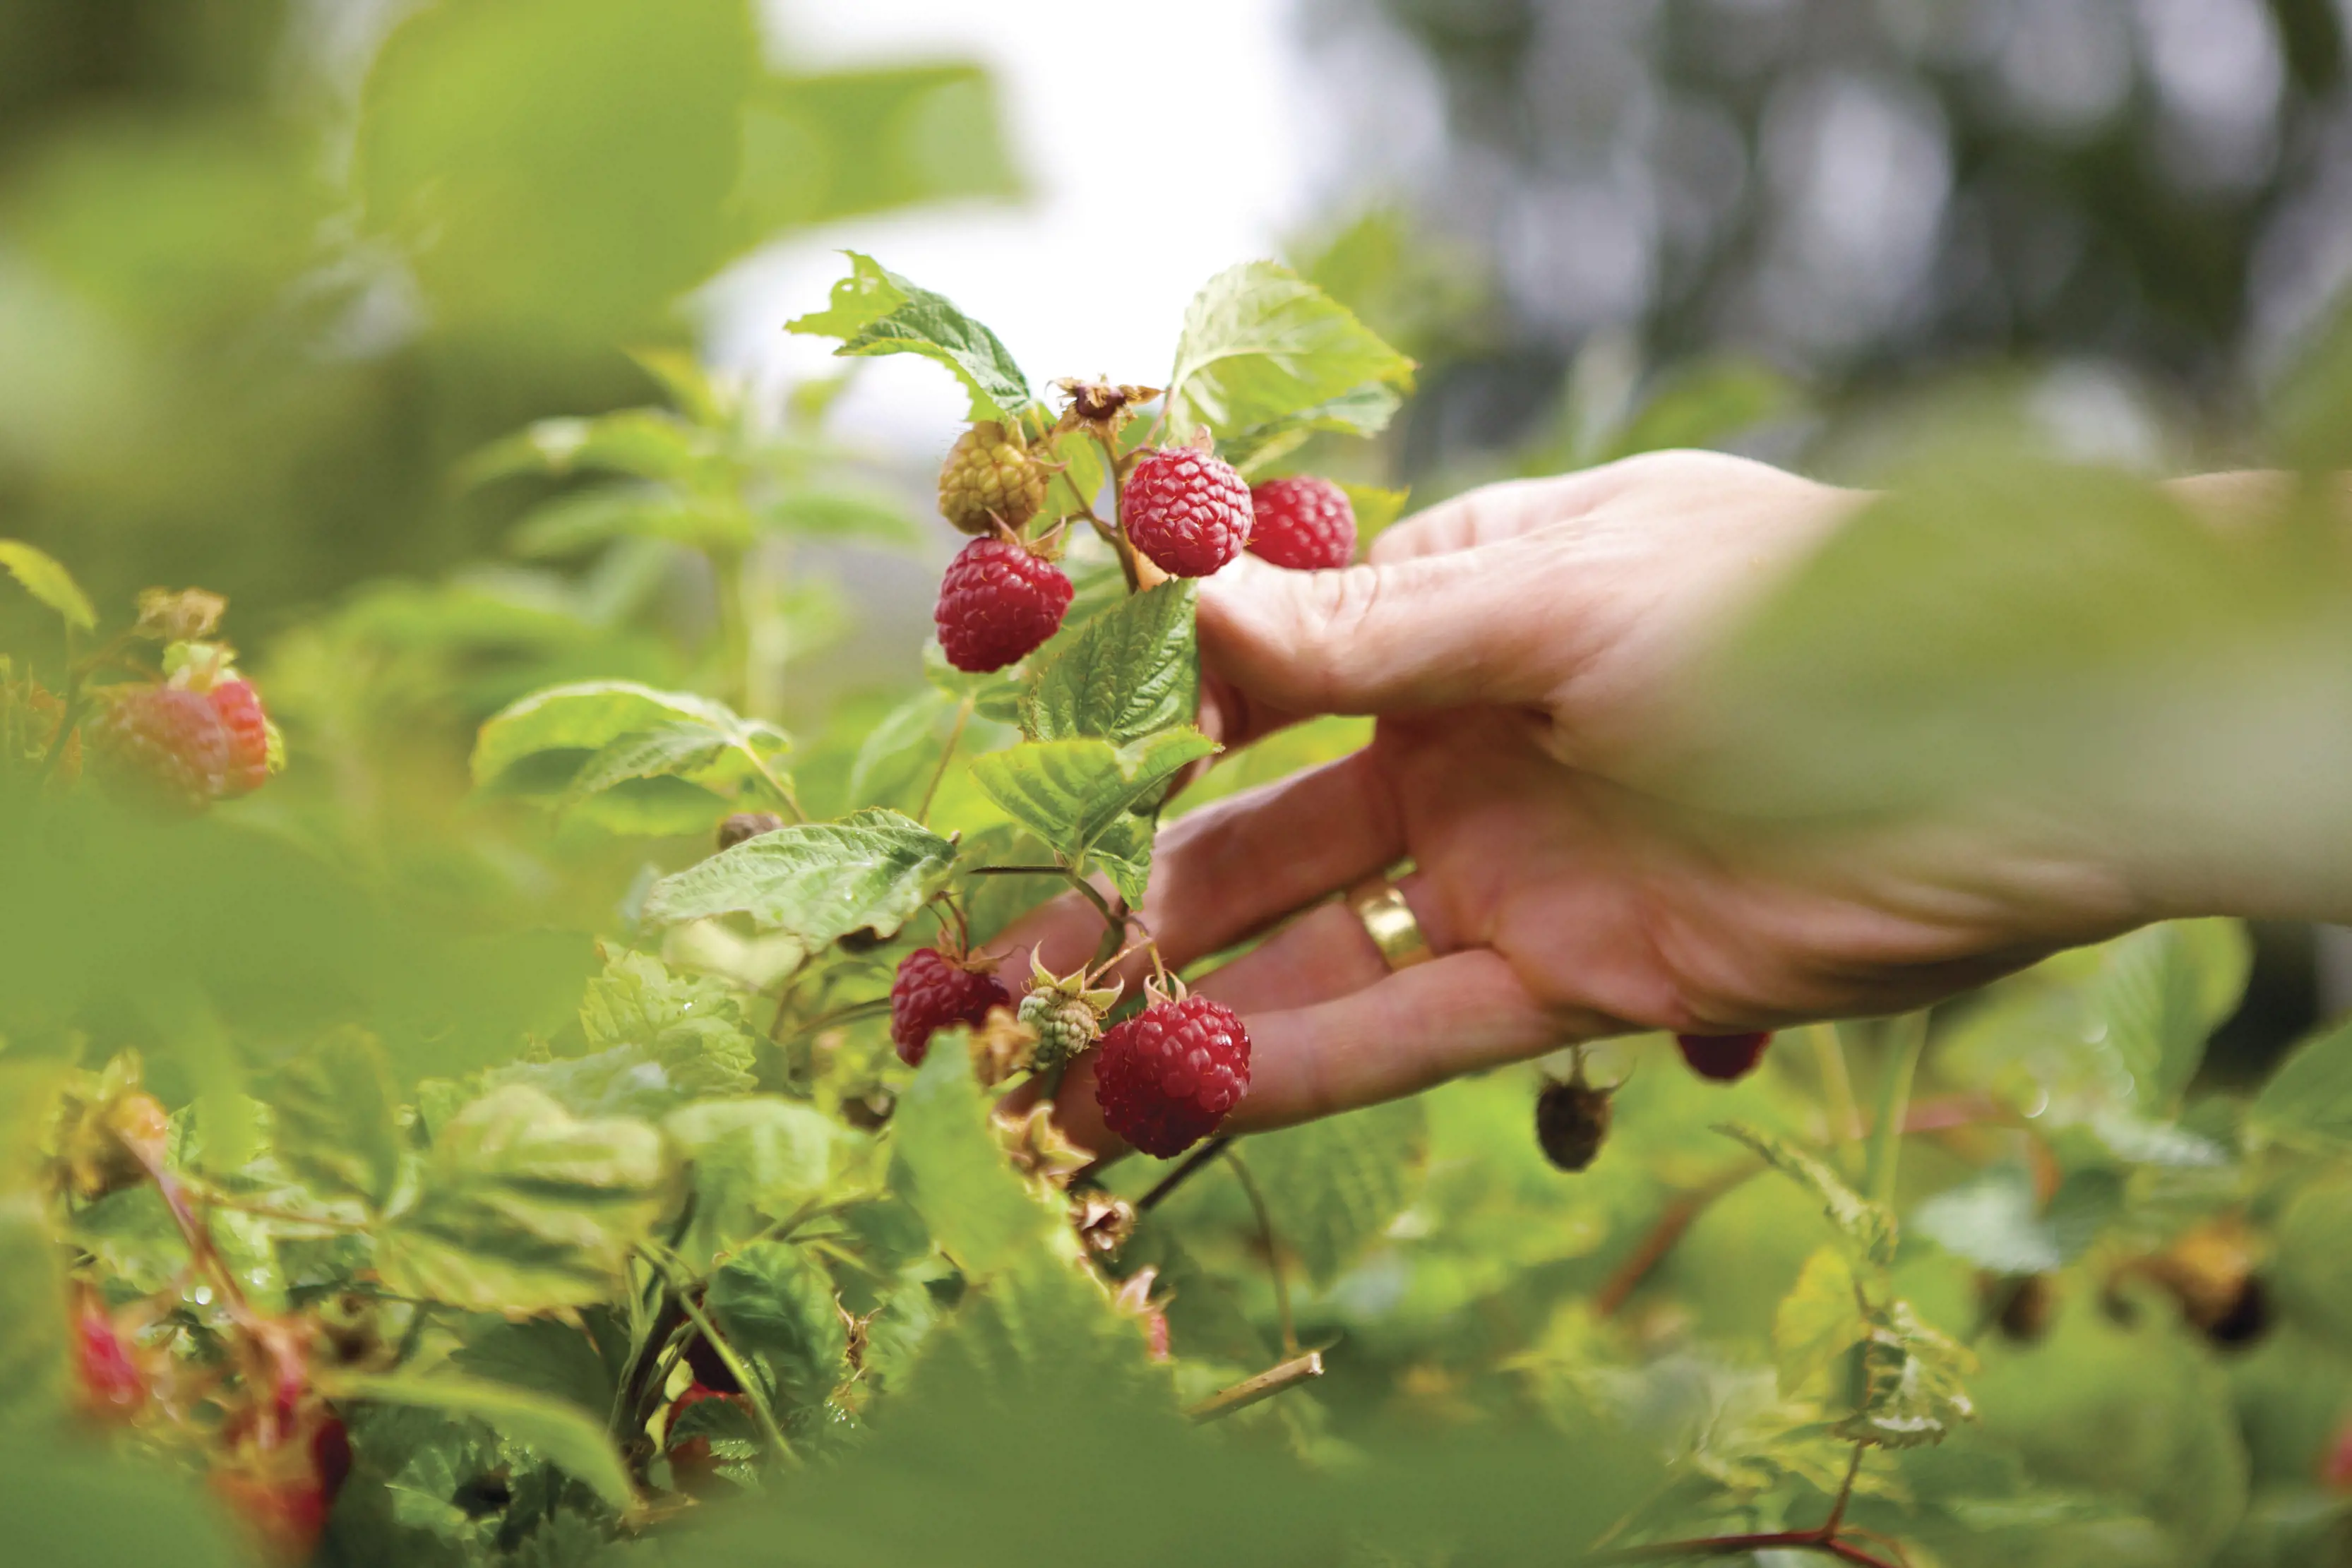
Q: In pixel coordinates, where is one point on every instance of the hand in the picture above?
(1528, 649)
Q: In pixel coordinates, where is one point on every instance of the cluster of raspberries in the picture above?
(1185, 510)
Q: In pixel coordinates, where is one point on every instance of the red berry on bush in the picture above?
(1725, 1058)
(166, 743)
(931, 992)
(1187, 510)
(1166, 1077)
(1304, 523)
(239, 707)
(998, 603)
(110, 1379)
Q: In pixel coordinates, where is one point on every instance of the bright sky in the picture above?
(1194, 101)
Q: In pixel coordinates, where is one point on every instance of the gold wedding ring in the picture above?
(1389, 921)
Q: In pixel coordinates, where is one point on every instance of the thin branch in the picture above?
(741, 1370)
(1906, 1038)
(1256, 1390)
(1837, 1088)
(1018, 871)
(1740, 1546)
(946, 755)
(1273, 1251)
(1183, 1173)
(1119, 541)
(1652, 1249)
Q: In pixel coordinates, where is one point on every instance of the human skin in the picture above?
(1527, 649)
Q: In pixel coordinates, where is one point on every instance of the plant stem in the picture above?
(1906, 1037)
(1652, 1249)
(1251, 1391)
(743, 1374)
(734, 634)
(1273, 1251)
(1740, 1546)
(1018, 871)
(946, 755)
(1183, 1173)
(1119, 540)
(1837, 1087)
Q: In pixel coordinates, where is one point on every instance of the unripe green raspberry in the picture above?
(1065, 1026)
(990, 477)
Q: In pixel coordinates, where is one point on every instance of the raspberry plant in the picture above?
(721, 1213)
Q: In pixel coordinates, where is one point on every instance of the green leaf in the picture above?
(814, 882)
(1993, 1220)
(1260, 344)
(32, 1316)
(2308, 1101)
(542, 1355)
(854, 514)
(1364, 411)
(525, 1207)
(1377, 509)
(753, 1161)
(2160, 995)
(1335, 1185)
(583, 518)
(85, 1505)
(555, 1429)
(665, 751)
(692, 1026)
(589, 715)
(1072, 792)
(1817, 1320)
(336, 1120)
(1913, 1394)
(818, 148)
(1130, 672)
(948, 1164)
(644, 442)
(1868, 1230)
(899, 753)
(42, 577)
(777, 1309)
(875, 311)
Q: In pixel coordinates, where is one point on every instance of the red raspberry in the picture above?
(1187, 510)
(239, 706)
(1303, 522)
(168, 743)
(1725, 1058)
(933, 991)
(111, 1381)
(1167, 1076)
(998, 603)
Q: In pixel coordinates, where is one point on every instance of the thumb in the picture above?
(1431, 631)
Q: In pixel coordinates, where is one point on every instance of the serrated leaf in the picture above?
(1361, 411)
(42, 576)
(1866, 1227)
(947, 1164)
(543, 1355)
(336, 1120)
(814, 882)
(1130, 672)
(1072, 792)
(1994, 1221)
(583, 518)
(666, 751)
(1912, 1373)
(1260, 344)
(2308, 1101)
(2160, 993)
(558, 1432)
(2144, 1143)
(692, 1026)
(1817, 1320)
(1333, 1186)
(899, 753)
(777, 1310)
(875, 312)
(525, 1207)
(588, 716)
(753, 1161)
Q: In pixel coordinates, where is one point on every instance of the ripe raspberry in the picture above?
(1168, 1075)
(931, 992)
(1725, 1058)
(111, 1381)
(747, 825)
(1303, 522)
(989, 478)
(998, 603)
(167, 743)
(239, 706)
(1187, 510)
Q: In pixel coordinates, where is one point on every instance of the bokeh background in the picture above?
(269, 270)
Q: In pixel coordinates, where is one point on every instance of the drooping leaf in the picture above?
(542, 1355)
(754, 1161)
(336, 1119)
(1911, 1381)
(875, 312)
(1817, 1320)
(1360, 411)
(899, 753)
(556, 1430)
(587, 716)
(41, 575)
(1994, 1221)
(525, 1207)
(777, 1310)
(1867, 1227)
(2161, 992)
(1261, 345)
(2308, 1100)
(814, 882)
(1072, 792)
(1128, 673)
(946, 1163)
(1335, 1185)
(665, 751)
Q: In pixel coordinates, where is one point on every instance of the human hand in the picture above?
(1528, 650)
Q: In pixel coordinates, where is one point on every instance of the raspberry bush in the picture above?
(628, 1137)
